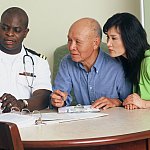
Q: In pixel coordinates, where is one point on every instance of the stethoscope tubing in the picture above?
(24, 63)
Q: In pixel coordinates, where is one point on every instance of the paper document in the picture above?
(19, 120)
(47, 118)
(78, 109)
(67, 117)
(53, 117)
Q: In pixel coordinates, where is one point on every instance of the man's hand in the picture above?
(8, 101)
(58, 98)
(106, 103)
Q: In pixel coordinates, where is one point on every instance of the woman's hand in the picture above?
(134, 101)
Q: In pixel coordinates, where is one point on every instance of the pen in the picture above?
(62, 98)
(40, 121)
(62, 94)
(51, 119)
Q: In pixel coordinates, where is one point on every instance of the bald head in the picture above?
(88, 24)
(16, 12)
(84, 39)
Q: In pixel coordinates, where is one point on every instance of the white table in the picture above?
(120, 128)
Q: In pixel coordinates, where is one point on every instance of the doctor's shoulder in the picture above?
(36, 54)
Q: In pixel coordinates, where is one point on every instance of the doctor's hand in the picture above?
(58, 98)
(106, 103)
(8, 101)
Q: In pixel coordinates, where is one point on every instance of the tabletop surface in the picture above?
(118, 122)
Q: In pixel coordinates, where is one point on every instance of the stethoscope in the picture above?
(25, 71)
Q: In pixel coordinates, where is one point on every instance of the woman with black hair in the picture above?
(127, 41)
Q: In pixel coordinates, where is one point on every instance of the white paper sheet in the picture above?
(19, 120)
(77, 109)
(48, 118)
(67, 117)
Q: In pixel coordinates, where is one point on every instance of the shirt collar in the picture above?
(147, 53)
(97, 64)
(99, 60)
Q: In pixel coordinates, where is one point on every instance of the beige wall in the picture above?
(51, 19)
(147, 18)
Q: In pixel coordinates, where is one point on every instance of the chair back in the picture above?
(9, 137)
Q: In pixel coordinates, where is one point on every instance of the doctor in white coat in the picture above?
(24, 76)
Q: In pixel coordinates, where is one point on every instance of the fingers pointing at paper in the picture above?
(58, 98)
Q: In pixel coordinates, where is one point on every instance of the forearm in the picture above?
(39, 100)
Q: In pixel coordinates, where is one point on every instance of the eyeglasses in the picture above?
(24, 111)
(35, 115)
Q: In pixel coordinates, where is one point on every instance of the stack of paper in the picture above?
(49, 118)
(83, 112)
(19, 120)
(78, 109)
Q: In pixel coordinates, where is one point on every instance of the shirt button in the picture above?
(97, 71)
(90, 88)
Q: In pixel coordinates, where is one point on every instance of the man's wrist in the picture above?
(117, 102)
(25, 103)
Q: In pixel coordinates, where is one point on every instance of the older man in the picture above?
(95, 77)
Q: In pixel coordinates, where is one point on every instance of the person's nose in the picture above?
(72, 46)
(109, 43)
(10, 32)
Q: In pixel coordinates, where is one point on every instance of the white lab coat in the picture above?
(18, 85)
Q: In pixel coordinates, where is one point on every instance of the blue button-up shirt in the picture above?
(106, 78)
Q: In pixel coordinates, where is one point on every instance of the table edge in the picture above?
(88, 142)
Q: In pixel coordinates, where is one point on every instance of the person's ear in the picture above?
(26, 32)
(96, 43)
